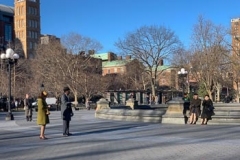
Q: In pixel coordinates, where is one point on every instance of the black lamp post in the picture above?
(182, 73)
(10, 58)
(42, 87)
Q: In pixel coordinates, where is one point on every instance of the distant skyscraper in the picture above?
(6, 26)
(27, 26)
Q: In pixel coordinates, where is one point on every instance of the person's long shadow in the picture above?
(107, 130)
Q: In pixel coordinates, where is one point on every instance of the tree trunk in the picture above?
(219, 88)
(210, 94)
(153, 87)
(75, 98)
(237, 95)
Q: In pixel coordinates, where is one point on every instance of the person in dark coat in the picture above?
(207, 110)
(195, 105)
(186, 104)
(28, 107)
(66, 111)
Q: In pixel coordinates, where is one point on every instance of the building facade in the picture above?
(27, 26)
(46, 39)
(113, 64)
(235, 28)
(235, 31)
(6, 26)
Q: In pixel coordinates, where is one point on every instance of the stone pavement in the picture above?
(97, 139)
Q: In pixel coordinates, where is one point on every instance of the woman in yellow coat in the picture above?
(42, 115)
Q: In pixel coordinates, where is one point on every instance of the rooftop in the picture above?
(235, 20)
(103, 56)
(163, 67)
(115, 63)
(6, 9)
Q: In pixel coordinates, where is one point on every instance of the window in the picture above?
(30, 23)
(8, 32)
(22, 9)
(7, 19)
(36, 35)
(163, 81)
(35, 45)
(30, 45)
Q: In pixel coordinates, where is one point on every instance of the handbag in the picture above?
(47, 112)
(211, 108)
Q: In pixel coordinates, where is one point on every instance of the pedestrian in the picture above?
(16, 104)
(195, 111)
(43, 113)
(28, 107)
(66, 111)
(87, 103)
(207, 110)
(186, 104)
(58, 102)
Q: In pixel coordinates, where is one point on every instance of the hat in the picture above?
(66, 89)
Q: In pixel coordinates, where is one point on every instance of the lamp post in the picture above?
(10, 58)
(42, 87)
(182, 73)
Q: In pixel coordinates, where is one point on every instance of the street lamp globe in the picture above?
(182, 71)
(3, 56)
(9, 53)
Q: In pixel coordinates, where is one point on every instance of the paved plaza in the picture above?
(98, 139)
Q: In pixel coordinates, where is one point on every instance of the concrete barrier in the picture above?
(131, 115)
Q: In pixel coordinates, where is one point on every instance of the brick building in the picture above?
(113, 64)
(27, 26)
(235, 29)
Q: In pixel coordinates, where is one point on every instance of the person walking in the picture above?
(195, 111)
(66, 111)
(28, 107)
(16, 104)
(43, 114)
(207, 110)
(87, 103)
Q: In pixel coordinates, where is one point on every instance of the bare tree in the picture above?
(210, 54)
(149, 44)
(60, 65)
(132, 78)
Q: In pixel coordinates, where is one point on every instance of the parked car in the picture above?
(50, 101)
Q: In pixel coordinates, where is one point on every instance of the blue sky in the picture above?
(108, 20)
